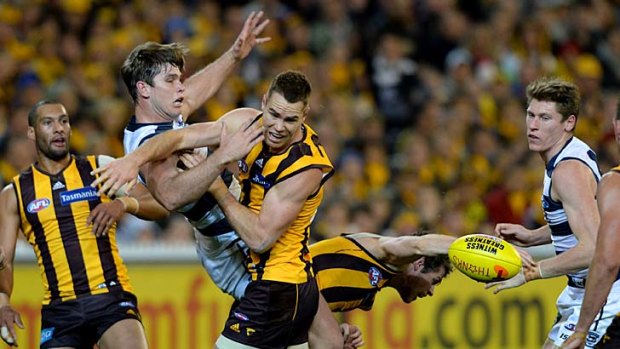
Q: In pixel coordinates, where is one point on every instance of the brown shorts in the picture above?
(79, 323)
(273, 314)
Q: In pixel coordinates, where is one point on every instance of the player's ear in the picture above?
(570, 123)
(143, 89)
(31, 134)
(418, 264)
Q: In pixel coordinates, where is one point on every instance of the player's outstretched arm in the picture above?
(518, 235)
(9, 216)
(125, 170)
(208, 134)
(406, 249)
(174, 190)
(205, 83)
(513, 282)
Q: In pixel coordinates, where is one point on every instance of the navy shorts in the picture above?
(273, 314)
(79, 323)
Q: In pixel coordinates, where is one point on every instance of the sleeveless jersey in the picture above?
(204, 214)
(288, 260)
(562, 235)
(348, 276)
(53, 211)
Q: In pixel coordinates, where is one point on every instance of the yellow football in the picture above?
(485, 258)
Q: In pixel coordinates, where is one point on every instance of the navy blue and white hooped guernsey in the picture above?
(562, 235)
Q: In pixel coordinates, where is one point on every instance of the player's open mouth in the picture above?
(59, 142)
(275, 137)
(178, 102)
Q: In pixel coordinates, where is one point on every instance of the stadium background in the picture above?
(420, 104)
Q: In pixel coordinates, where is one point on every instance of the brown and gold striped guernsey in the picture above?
(348, 276)
(288, 259)
(53, 211)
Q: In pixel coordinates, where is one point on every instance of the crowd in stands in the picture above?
(419, 103)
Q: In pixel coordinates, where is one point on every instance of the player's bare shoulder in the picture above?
(237, 117)
(8, 199)
(370, 241)
(609, 186)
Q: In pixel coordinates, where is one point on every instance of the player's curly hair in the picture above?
(147, 60)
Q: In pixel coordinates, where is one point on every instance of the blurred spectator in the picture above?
(420, 102)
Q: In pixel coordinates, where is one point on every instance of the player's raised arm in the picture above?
(205, 83)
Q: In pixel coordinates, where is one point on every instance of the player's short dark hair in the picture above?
(147, 60)
(549, 89)
(434, 263)
(292, 85)
(34, 112)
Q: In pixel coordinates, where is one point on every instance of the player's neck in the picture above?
(51, 166)
(556, 148)
(146, 115)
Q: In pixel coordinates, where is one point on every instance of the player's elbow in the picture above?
(587, 250)
(171, 203)
(171, 200)
(260, 243)
(159, 214)
(258, 246)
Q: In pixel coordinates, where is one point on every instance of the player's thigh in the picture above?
(325, 331)
(127, 333)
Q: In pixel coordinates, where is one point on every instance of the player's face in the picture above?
(546, 132)
(167, 93)
(418, 284)
(282, 121)
(52, 131)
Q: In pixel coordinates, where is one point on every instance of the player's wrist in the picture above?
(579, 334)
(233, 56)
(218, 160)
(130, 204)
(539, 272)
(532, 274)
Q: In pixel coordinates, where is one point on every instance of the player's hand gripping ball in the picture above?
(485, 258)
